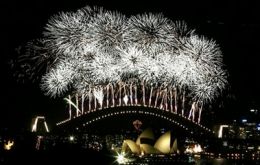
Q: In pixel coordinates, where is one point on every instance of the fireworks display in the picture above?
(102, 59)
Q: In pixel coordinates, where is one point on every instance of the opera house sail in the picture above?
(145, 144)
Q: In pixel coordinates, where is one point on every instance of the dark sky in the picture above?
(234, 25)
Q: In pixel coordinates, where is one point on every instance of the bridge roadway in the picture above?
(177, 120)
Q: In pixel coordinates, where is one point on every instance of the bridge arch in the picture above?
(91, 118)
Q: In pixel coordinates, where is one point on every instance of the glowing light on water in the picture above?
(197, 148)
(122, 159)
(8, 145)
(71, 138)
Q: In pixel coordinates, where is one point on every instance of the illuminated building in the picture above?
(143, 144)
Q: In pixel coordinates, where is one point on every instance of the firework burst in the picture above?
(102, 56)
(107, 29)
(149, 32)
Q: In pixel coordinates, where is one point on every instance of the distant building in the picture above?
(247, 127)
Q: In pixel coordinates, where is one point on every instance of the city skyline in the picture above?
(234, 30)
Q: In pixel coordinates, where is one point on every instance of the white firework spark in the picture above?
(185, 70)
(150, 71)
(210, 87)
(103, 69)
(181, 29)
(99, 95)
(166, 60)
(34, 61)
(107, 29)
(130, 62)
(100, 53)
(57, 81)
(149, 32)
(66, 33)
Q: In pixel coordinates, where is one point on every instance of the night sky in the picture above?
(234, 25)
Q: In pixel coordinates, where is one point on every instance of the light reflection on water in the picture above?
(218, 161)
(222, 161)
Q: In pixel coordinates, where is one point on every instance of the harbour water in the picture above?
(75, 155)
(56, 149)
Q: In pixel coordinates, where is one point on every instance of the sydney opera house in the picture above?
(146, 144)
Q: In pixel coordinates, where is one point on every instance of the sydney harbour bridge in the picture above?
(106, 64)
(120, 111)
